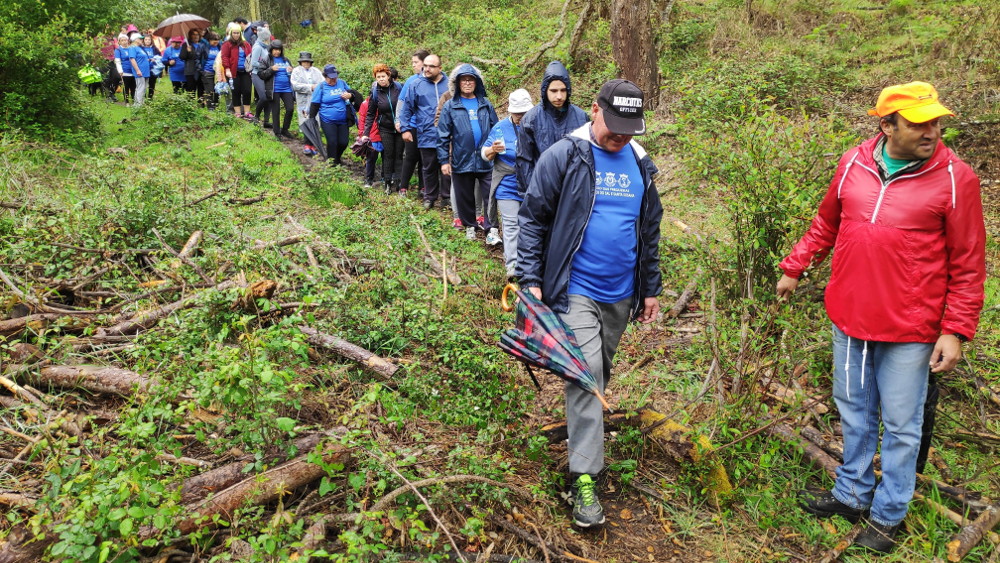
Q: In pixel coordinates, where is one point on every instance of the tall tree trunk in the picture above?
(634, 47)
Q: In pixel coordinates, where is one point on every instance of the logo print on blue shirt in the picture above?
(609, 179)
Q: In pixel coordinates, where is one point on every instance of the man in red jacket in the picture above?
(904, 218)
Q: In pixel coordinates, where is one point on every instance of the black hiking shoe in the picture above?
(877, 537)
(824, 505)
(587, 510)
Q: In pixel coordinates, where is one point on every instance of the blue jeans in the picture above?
(869, 377)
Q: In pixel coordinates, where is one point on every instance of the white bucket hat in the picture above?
(519, 101)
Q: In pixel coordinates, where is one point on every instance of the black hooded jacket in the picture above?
(544, 124)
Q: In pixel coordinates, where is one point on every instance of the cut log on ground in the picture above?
(38, 321)
(147, 319)
(351, 351)
(684, 300)
(21, 546)
(970, 536)
(199, 486)
(98, 379)
(257, 489)
(812, 452)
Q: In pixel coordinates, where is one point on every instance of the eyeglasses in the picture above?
(432, 66)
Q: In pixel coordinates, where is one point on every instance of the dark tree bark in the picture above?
(634, 47)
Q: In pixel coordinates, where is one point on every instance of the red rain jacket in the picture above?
(231, 56)
(908, 254)
(362, 114)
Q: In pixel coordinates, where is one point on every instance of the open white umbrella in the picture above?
(180, 25)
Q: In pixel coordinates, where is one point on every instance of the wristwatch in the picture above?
(960, 337)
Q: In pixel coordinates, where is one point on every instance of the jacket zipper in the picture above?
(885, 185)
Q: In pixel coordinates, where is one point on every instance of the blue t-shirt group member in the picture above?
(331, 101)
(465, 121)
(588, 248)
(501, 147)
(281, 89)
(139, 62)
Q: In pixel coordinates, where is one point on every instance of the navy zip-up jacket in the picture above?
(416, 112)
(555, 213)
(455, 127)
(545, 124)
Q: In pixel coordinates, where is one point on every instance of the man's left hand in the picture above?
(650, 309)
(947, 352)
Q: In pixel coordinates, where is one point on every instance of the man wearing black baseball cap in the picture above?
(589, 248)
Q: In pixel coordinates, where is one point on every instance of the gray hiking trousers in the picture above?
(598, 328)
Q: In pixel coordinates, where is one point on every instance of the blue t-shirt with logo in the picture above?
(137, 54)
(472, 106)
(213, 52)
(241, 61)
(506, 130)
(603, 269)
(332, 108)
(121, 53)
(282, 77)
(176, 72)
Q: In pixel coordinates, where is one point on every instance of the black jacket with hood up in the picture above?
(545, 124)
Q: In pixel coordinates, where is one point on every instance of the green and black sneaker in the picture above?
(587, 510)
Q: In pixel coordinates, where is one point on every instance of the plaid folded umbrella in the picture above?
(540, 339)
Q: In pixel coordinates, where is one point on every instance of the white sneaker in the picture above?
(470, 233)
(493, 237)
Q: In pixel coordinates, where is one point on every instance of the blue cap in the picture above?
(330, 71)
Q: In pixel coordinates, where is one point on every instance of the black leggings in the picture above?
(192, 84)
(336, 139)
(178, 86)
(151, 87)
(241, 89)
(392, 154)
(128, 90)
(208, 87)
(287, 98)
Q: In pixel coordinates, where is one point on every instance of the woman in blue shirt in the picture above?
(155, 64)
(281, 89)
(331, 101)
(208, 70)
(175, 66)
(125, 68)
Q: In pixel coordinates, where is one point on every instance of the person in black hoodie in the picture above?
(383, 102)
(547, 122)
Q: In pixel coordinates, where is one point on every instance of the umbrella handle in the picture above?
(600, 397)
(504, 303)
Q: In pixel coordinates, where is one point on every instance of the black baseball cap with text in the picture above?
(622, 102)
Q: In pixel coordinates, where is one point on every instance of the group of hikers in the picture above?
(573, 194)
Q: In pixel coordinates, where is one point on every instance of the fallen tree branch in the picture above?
(148, 319)
(685, 299)
(351, 351)
(439, 268)
(287, 241)
(257, 489)
(388, 499)
(198, 486)
(528, 63)
(812, 452)
(541, 545)
(970, 535)
(98, 379)
(844, 543)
